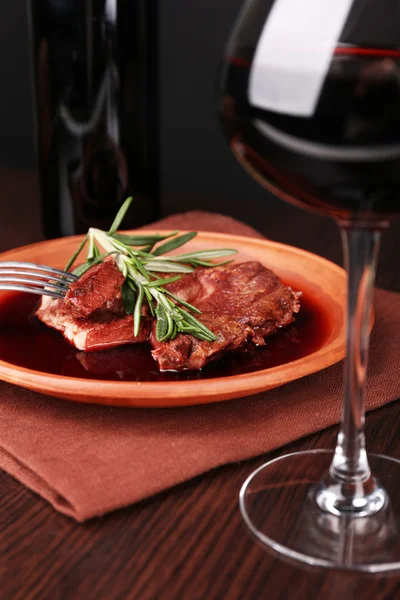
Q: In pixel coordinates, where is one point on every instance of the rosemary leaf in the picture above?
(148, 249)
(141, 240)
(201, 255)
(81, 269)
(202, 336)
(183, 302)
(124, 269)
(120, 216)
(149, 299)
(162, 323)
(193, 321)
(120, 247)
(93, 252)
(159, 282)
(195, 262)
(128, 298)
(137, 311)
(77, 253)
(178, 318)
(174, 243)
(139, 267)
(184, 328)
(171, 326)
(167, 267)
(140, 253)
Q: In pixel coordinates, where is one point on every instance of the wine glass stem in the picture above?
(349, 487)
(361, 249)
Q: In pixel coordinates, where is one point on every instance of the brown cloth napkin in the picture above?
(88, 460)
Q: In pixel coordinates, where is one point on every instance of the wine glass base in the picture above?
(278, 505)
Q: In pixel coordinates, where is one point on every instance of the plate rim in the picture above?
(205, 390)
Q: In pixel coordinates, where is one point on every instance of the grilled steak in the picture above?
(241, 303)
(91, 334)
(97, 293)
(92, 315)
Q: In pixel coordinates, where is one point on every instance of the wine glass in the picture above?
(310, 105)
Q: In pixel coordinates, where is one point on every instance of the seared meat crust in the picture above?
(97, 293)
(242, 303)
(91, 334)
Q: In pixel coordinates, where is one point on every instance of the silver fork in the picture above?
(35, 279)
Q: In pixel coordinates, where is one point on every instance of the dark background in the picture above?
(198, 171)
(195, 158)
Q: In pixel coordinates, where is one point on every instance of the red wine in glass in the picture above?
(343, 160)
(310, 106)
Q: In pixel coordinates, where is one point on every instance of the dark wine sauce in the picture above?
(27, 343)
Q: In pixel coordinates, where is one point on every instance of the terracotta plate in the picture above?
(317, 277)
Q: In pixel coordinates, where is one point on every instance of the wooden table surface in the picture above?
(189, 542)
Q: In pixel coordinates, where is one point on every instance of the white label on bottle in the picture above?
(293, 54)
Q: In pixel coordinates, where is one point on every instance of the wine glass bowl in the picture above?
(318, 161)
(311, 108)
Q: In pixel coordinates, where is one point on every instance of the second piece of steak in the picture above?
(93, 333)
(92, 316)
(241, 303)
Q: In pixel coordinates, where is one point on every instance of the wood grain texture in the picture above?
(189, 542)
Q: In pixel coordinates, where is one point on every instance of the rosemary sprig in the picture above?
(139, 258)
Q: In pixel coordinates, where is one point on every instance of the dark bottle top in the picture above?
(95, 66)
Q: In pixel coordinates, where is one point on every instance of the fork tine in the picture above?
(31, 290)
(36, 274)
(37, 267)
(60, 285)
(35, 279)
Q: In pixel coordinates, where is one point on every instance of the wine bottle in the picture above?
(95, 66)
